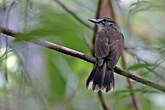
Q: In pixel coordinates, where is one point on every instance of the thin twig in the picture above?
(87, 58)
(100, 96)
(66, 50)
(130, 86)
(73, 14)
(8, 32)
(89, 44)
(149, 69)
(6, 39)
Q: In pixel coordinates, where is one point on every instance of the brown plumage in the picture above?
(109, 44)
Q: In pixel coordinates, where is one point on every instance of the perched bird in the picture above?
(109, 44)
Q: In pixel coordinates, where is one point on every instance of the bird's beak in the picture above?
(95, 20)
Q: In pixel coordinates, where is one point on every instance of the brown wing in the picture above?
(109, 43)
(101, 45)
(116, 45)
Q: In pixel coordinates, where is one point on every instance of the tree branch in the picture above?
(87, 58)
(149, 69)
(73, 14)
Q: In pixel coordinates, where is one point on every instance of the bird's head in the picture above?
(104, 22)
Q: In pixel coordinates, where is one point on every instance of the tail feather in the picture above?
(89, 82)
(99, 75)
(101, 78)
(108, 80)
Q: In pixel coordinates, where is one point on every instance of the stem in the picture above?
(130, 86)
(73, 14)
(100, 96)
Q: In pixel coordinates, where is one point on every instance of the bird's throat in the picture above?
(100, 28)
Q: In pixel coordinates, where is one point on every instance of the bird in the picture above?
(108, 47)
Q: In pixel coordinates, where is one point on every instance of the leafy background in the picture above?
(42, 79)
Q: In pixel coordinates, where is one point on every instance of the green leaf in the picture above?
(56, 82)
(138, 66)
(57, 25)
(52, 23)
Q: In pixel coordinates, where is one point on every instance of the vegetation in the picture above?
(48, 55)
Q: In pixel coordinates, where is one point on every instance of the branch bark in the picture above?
(73, 14)
(100, 95)
(145, 62)
(87, 58)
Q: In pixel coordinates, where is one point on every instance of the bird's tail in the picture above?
(101, 79)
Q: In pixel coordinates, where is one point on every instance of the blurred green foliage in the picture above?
(54, 24)
(57, 82)
(61, 83)
(138, 66)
